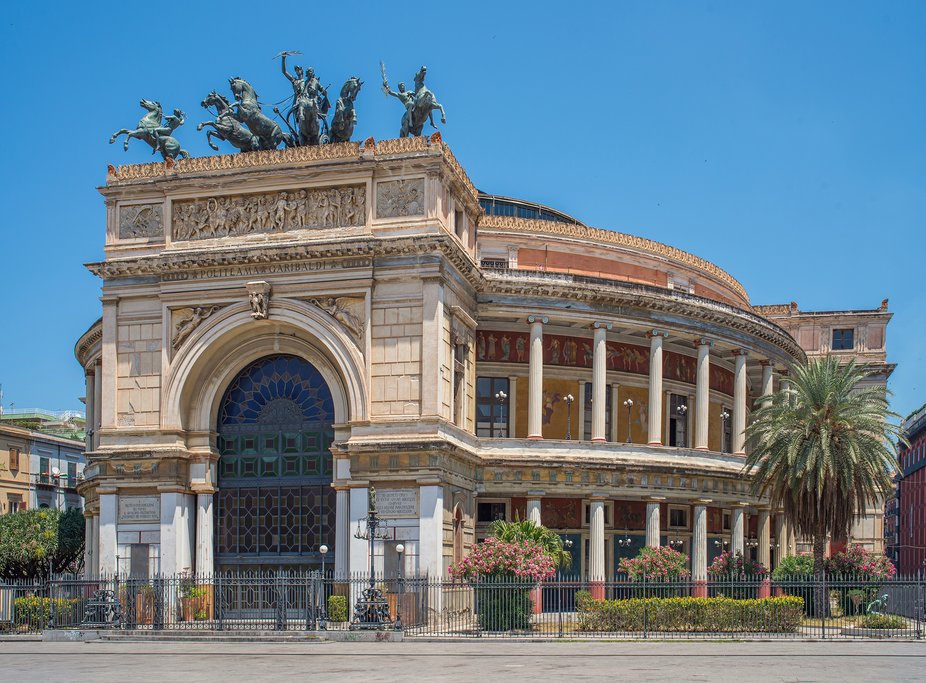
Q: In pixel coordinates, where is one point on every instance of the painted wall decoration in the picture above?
(721, 380)
(679, 368)
(514, 347)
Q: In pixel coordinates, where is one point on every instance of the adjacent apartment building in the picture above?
(38, 470)
(910, 535)
(852, 335)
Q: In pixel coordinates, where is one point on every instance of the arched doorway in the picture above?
(275, 505)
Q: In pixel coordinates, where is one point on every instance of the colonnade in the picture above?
(655, 408)
(699, 537)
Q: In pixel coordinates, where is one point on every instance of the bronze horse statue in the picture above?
(268, 133)
(226, 126)
(345, 116)
(158, 134)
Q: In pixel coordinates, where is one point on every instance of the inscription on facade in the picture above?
(395, 198)
(135, 509)
(394, 503)
(269, 212)
(140, 221)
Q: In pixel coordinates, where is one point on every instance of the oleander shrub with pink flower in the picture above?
(726, 563)
(519, 561)
(502, 575)
(858, 563)
(656, 564)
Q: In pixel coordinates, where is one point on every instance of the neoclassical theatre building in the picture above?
(283, 330)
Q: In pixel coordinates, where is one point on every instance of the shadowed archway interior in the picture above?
(275, 505)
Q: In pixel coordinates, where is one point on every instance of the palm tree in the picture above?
(519, 531)
(823, 451)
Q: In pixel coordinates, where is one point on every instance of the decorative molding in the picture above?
(188, 319)
(259, 298)
(581, 232)
(397, 198)
(229, 162)
(141, 221)
(564, 287)
(542, 319)
(269, 212)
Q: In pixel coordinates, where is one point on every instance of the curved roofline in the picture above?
(566, 218)
(615, 239)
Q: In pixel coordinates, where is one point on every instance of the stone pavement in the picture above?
(481, 661)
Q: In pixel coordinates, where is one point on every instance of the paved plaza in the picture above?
(471, 661)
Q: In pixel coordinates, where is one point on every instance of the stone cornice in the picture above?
(92, 337)
(610, 237)
(558, 287)
(168, 263)
(268, 159)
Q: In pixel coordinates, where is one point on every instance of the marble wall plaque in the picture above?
(393, 503)
(133, 509)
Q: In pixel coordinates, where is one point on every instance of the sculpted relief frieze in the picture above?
(396, 198)
(269, 212)
(140, 221)
(347, 310)
(185, 320)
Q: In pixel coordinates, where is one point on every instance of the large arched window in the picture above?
(275, 505)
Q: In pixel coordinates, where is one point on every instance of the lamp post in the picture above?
(628, 404)
(567, 545)
(500, 398)
(569, 399)
(323, 620)
(724, 416)
(371, 610)
(400, 549)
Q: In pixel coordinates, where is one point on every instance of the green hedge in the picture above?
(503, 608)
(714, 615)
(337, 608)
(885, 621)
(35, 612)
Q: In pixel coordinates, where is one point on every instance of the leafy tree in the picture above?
(34, 542)
(528, 530)
(823, 451)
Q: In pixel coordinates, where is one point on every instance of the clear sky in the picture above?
(784, 141)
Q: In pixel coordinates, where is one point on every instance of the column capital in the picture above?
(538, 319)
(765, 362)
(704, 341)
(657, 333)
(739, 352)
(701, 501)
(536, 494)
(599, 324)
(785, 372)
(654, 499)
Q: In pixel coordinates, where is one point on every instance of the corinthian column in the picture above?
(767, 381)
(599, 380)
(655, 387)
(702, 394)
(652, 523)
(535, 380)
(699, 549)
(739, 403)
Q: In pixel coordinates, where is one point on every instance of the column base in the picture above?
(702, 448)
(596, 588)
(765, 589)
(537, 600)
(601, 440)
(654, 443)
(699, 589)
(534, 437)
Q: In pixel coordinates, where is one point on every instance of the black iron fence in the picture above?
(619, 607)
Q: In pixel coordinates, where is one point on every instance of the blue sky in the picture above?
(784, 141)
